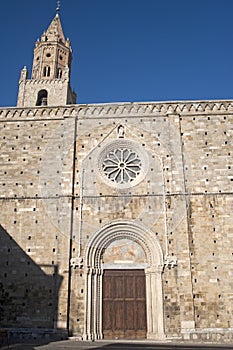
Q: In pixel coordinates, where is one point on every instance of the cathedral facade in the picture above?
(116, 219)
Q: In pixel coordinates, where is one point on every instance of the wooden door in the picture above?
(124, 304)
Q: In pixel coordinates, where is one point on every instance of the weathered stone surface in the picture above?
(184, 198)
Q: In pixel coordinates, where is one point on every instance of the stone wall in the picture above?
(35, 222)
(53, 189)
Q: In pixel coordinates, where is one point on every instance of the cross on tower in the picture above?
(58, 6)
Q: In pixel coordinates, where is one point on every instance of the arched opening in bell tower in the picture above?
(42, 98)
(59, 73)
(46, 71)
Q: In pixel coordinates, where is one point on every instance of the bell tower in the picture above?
(50, 80)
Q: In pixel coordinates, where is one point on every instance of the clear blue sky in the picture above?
(127, 50)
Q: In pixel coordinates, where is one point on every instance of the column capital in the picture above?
(154, 270)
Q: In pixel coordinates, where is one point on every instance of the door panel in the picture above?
(129, 287)
(119, 314)
(140, 288)
(108, 288)
(108, 313)
(129, 315)
(118, 291)
(124, 304)
(141, 315)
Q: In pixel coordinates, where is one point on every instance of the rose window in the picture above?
(122, 165)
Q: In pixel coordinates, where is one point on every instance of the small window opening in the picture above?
(59, 73)
(42, 98)
(46, 71)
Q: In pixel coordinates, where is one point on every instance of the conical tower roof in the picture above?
(55, 31)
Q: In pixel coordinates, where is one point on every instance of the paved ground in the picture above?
(105, 345)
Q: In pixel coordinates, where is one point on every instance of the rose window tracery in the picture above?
(122, 165)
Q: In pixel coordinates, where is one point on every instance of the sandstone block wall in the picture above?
(54, 197)
(35, 222)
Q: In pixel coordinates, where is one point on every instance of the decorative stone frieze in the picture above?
(133, 109)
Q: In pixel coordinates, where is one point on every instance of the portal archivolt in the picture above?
(94, 271)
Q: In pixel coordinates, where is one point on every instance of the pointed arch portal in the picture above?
(94, 276)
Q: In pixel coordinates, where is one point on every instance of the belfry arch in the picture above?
(94, 272)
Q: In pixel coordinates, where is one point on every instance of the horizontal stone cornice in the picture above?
(127, 109)
(45, 82)
(34, 113)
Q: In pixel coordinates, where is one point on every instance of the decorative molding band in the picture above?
(134, 109)
(35, 113)
(45, 81)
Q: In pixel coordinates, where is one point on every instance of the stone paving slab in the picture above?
(115, 345)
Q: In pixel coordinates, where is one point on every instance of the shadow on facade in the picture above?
(28, 293)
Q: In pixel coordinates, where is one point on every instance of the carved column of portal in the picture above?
(87, 334)
(97, 304)
(100, 292)
(155, 320)
(93, 302)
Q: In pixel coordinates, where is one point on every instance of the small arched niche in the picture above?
(42, 98)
